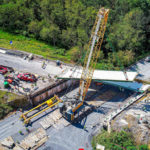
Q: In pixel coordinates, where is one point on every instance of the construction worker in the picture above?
(58, 63)
(43, 65)
(43, 79)
(32, 85)
(138, 117)
(49, 75)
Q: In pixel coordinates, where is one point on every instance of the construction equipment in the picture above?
(6, 84)
(71, 109)
(43, 107)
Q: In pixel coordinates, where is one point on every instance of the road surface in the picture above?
(33, 66)
(72, 136)
(143, 68)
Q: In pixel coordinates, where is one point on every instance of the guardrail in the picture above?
(122, 108)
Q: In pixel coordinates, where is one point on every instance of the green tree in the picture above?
(68, 38)
(34, 28)
(129, 33)
(14, 17)
(50, 34)
(68, 23)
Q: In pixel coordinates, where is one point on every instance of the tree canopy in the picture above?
(68, 23)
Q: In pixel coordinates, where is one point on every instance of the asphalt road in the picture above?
(143, 68)
(1, 80)
(33, 66)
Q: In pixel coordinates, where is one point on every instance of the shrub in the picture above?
(114, 140)
(4, 110)
(143, 147)
(131, 148)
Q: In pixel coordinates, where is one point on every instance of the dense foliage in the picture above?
(117, 141)
(68, 23)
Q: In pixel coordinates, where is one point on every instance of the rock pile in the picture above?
(32, 141)
(137, 122)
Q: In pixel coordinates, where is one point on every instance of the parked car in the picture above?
(27, 77)
(3, 70)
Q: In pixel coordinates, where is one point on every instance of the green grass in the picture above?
(9, 102)
(4, 107)
(117, 141)
(7, 95)
(33, 46)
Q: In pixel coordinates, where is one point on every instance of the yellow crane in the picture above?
(70, 108)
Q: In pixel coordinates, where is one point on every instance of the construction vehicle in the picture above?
(71, 109)
(27, 116)
(3, 70)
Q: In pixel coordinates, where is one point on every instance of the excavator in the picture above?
(70, 109)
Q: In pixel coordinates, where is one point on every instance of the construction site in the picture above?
(66, 105)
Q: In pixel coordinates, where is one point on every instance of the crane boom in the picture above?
(92, 54)
(70, 108)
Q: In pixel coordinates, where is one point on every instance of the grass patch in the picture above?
(6, 97)
(33, 46)
(117, 141)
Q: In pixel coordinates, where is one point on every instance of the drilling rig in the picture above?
(71, 109)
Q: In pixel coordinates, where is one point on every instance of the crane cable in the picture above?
(76, 66)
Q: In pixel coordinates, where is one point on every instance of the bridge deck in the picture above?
(101, 75)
